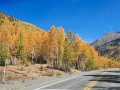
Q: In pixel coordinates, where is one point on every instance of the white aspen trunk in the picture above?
(4, 72)
(32, 56)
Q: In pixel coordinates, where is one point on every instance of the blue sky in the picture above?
(91, 19)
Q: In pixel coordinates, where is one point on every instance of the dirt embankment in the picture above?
(31, 72)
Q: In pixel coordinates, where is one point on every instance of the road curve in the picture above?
(108, 79)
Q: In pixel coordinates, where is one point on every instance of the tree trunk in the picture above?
(4, 72)
(77, 63)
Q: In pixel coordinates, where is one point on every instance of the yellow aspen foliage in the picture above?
(63, 50)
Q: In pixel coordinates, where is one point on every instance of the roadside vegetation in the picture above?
(24, 44)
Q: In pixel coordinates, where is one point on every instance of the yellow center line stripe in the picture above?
(94, 82)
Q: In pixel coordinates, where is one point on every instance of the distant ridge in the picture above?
(109, 45)
(106, 38)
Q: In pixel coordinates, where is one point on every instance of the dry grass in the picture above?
(30, 71)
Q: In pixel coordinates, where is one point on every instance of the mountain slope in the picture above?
(23, 43)
(110, 49)
(106, 38)
(11, 22)
(109, 45)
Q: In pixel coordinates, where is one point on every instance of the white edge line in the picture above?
(57, 82)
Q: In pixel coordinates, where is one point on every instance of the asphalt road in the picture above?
(108, 79)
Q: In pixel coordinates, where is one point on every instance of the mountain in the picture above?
(110, 49)
(109, 45)
(106, 38)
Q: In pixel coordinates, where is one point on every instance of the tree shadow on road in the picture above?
(113, 71)
(105, 88)
(109, 79)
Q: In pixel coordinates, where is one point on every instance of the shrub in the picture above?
(49, 73)
(90, 64)
(58, 74)
(28, 64)
(10, 77)
(22, 69)
(41, 68)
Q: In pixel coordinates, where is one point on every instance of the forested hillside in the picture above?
(23, 43)
(109, 45)
(111, 49)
